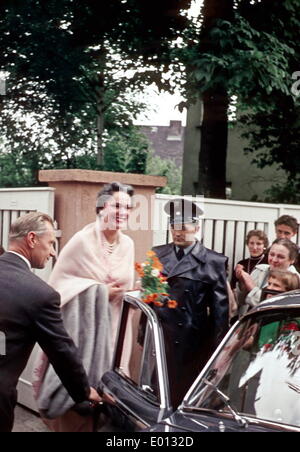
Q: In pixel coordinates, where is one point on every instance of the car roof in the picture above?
(289, 300)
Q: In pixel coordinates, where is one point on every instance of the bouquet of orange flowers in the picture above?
(154, 284)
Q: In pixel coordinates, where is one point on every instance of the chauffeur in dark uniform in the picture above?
(30, 313)
(197, 280)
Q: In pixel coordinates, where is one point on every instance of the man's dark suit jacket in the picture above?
(192, 330)
(30, 313)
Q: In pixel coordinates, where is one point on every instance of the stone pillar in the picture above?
(75, 199)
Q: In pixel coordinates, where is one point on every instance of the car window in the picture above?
(258, 369)
(137, 361)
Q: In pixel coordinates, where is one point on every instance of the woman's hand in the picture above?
(138, 285)
(246, 281)
(114, 290)
(238, 271)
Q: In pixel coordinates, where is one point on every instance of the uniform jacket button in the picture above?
(176, 342)
(180, 324)
(183, 308)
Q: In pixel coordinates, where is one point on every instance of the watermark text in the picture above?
(296, 86)
(2, 344)
(2, 83)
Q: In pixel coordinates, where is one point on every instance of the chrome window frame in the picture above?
(162, 372)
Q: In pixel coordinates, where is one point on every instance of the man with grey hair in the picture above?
(30, 313)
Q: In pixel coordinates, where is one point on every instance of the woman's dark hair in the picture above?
(291, 246)
(2, 250)
(289, 221)
(108, 190)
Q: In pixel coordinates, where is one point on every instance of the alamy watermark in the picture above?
(296, 343)
(142, 217)
(2, 344)
(296, 86)
(2, 84)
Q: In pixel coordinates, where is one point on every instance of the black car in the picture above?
(250, 384)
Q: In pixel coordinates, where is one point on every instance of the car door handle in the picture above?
(147, 388)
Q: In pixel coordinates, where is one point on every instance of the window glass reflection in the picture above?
(138, 361)
(258, 370)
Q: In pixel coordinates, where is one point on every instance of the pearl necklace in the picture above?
(253, 259)
(109, 247)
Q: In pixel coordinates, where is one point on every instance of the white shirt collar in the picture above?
(187, 249)
(22, 257)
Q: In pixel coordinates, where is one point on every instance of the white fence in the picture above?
(223, 228)
(225, 223)
(17, 201)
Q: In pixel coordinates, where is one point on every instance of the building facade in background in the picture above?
(245, 181)
(166, 141)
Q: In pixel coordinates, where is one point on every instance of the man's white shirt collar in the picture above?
(187, 249)
(22, 257)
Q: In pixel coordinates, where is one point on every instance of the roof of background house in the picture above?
(167, 141)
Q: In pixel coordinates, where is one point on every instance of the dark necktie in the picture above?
(179, 254)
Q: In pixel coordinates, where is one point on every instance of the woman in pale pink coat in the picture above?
(99, 254)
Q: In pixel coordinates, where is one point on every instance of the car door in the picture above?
(137, 388)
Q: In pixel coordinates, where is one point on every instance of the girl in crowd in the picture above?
(282, 255)
(257, 243)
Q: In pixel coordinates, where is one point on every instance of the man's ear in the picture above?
(31, 239)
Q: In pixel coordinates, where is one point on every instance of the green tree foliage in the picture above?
(126, 151)
(68, 44)
(274, 138)
(156, 166)
(273, 133)
(243, 48)
(15, 172)
(74, 67)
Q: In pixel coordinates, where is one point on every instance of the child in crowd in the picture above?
(281, 281)
(286, 227)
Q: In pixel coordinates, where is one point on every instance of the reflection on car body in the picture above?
(251, 383)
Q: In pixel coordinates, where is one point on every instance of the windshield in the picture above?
(258, 369)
